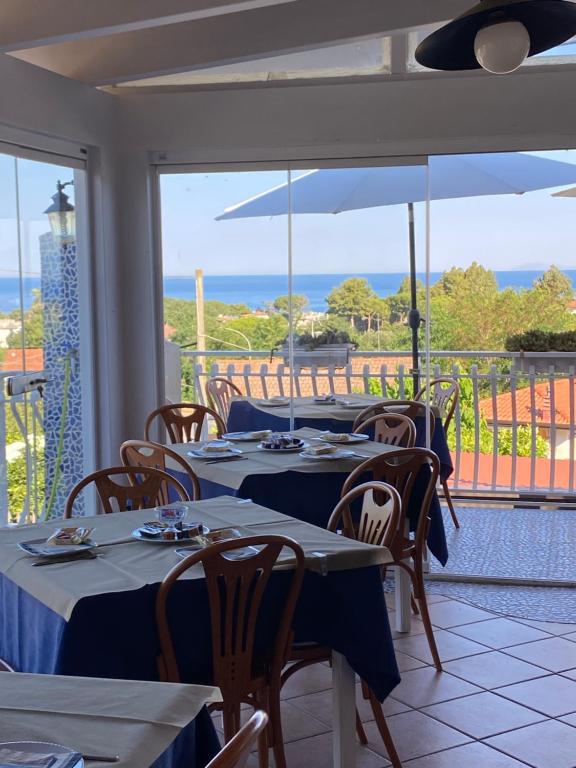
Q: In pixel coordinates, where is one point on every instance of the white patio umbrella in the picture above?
(450, 176)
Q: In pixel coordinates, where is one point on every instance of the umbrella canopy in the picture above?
(450, 176)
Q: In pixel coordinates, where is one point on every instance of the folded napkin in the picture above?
(340, 437)
(72, 535)
(215, 446)
(260, 434)
(320, 450)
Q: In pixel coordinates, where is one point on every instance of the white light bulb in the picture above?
(501, 48)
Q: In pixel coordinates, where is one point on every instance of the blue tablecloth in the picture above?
(312, 497)
(114, 635)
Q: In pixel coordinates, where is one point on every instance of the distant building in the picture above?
(550, 408)
(8, 326)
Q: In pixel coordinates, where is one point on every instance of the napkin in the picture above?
(340, 437)
(320, 450)
(216, 446)
(72, 535)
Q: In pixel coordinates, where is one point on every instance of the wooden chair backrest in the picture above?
(235, 591)
(236, 753)
(5, 667)
(400, 468)
(381, 515)
(390, 429)
(220, 392)
(147, 488)
(444, 393)
(145, 453)
(184, 421)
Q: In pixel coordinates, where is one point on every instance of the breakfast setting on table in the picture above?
(259, 534)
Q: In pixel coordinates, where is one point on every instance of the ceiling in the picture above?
(117, 41)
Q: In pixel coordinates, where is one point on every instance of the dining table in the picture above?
(133, 723)
(96, 618)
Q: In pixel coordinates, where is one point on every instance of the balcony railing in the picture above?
(513, 432)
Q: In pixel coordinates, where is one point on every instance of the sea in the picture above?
(256, 291)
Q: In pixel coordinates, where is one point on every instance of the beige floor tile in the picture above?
(414, 735)
(571, 636)
(319, 705)
(421, 687)
(406, 663)
(493, 669)
(438, 599)
(473, 755)
(555, 654)
(554, 628)
(316, 677)
(571, 673)
(550, 744)
(296, 724)
(570, 719)
(500, 633)
(482, 715)
(450, 646)
(416, 626)
(553, 695)
(316, 752)
(454, 614)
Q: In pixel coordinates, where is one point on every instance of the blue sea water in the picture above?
(257, 290)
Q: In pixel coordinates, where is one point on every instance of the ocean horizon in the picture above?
(256, 291)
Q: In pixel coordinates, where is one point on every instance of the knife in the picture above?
(55, 560)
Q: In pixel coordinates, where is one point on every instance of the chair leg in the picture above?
(276, 726)
(414, 605)
(420, 595)
(450, 503)
(360, 732)
(231, 721)
(266, 736)
(384, 731)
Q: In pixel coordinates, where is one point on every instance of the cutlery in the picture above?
(102, 758)
(226, 458)
(71, 559)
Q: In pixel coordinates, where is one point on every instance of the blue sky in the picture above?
(528, 231)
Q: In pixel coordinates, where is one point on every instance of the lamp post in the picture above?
(62, 215)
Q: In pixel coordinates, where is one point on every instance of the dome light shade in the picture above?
(547, 23)
(503, 47)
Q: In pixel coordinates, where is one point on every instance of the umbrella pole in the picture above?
(414, 314)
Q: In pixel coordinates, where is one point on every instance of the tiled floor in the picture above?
(506, 698)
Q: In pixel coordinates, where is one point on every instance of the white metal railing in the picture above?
(24, 413)
(503, 454)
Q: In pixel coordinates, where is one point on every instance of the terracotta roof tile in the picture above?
(564, 391)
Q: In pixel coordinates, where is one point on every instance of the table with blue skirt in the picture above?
(57, 620)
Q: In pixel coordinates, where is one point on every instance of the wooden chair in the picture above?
(235, 591)
(413, 409)
(379, 522)
(444, 393)
(401, 468)
(148, 487)
(236, 753)
(145, 453)
(220, 392)
(5, 667)
(390, 429)
(184, 421)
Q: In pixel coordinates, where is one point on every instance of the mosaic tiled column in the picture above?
(61, 307)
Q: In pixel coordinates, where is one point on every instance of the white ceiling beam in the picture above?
(32, 23)
(253, 34)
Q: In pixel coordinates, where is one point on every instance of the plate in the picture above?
(323, 401)
(55, 755)
(246, 437)
(351, 406)
(358, 438)
(335, 456)
(39, 548)
(140, 536)
(292, 449)
(274, 403)
(199, 453)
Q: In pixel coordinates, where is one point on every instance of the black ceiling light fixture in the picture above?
(498, 35)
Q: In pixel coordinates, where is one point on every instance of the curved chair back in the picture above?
(220, 392)
(235, 590)
(236, 753)
(390, 429)
(401, 469)
(147, 488)
(184, 421)
(444, 393)
(380, 519)
(145, 453)
(5, 667)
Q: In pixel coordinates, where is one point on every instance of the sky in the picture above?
(502, 232)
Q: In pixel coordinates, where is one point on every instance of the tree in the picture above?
(33, 324)
(354, 300)
(556, 285)
(400, 302)
(300, 304)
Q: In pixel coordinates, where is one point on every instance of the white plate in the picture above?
(285, 450)
(245, 437)
(339, 454)
(39, 548)
(66, 757)
(139, 536)
(324, 402)
(326, 437)
(199, 453)
(274, 403)
(351, 406)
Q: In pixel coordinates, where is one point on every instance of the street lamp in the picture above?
(62, 215)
